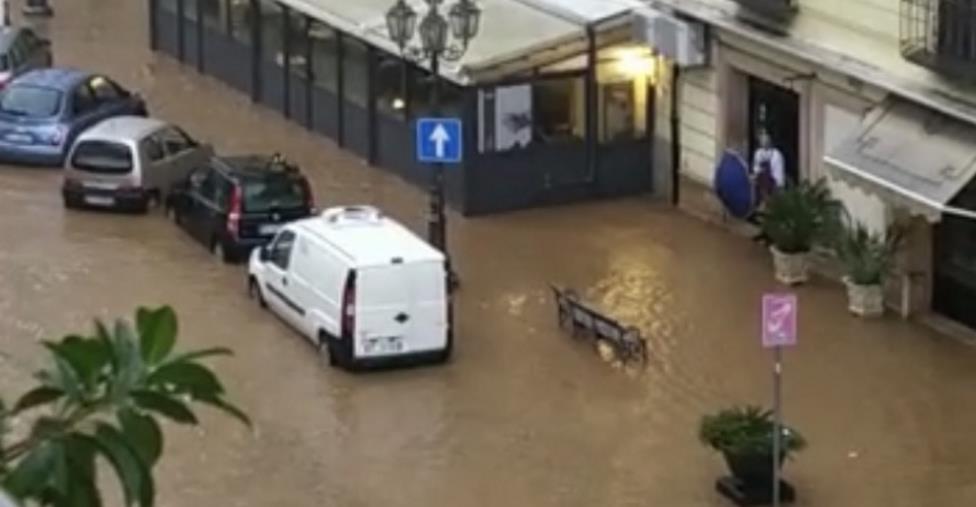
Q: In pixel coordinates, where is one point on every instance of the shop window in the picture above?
(272, 25)
(324, 55)
(213, 14)
(623, 109)
(190, 9)
(558, 111)
(169, 5)
(355, 71)
(421, 86)
(390, 89)
(298, 43)
(241, 18)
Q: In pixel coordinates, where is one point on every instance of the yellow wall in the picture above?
(879, 18)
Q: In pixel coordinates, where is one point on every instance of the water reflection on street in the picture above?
(523, 416)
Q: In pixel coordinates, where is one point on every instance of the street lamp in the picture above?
(435, 44)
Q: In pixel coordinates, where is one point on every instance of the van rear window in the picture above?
(274, 192)
(102, 157)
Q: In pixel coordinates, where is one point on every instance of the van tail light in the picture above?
(234, 216)
(349, 306)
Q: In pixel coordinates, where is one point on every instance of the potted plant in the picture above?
(868, 257)
(744, 436)
(794, 220)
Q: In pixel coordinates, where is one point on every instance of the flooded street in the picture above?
(523, 416)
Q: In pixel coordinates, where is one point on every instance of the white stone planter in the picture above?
(865, 300)
(791, 269)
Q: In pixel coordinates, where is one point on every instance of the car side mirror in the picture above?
(264, 253)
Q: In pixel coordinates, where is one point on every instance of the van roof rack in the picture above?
(352, 214)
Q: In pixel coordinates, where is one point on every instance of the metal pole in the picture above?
(777, 420)
(436, 230)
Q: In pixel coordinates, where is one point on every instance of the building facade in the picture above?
(557, 104)
(872, 95)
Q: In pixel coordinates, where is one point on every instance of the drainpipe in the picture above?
(590, 89)
(675, 135)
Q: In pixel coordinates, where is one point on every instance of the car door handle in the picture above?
(284, 281)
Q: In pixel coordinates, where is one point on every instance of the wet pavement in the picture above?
(522, 416)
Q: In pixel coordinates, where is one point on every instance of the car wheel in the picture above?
(254, 292)
(218, 250)
(327, 350)
(172, 215)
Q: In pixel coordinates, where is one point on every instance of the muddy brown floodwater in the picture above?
(523, 416)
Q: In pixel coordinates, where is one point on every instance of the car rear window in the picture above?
(30, 101)
(102, 157)
(274, 192)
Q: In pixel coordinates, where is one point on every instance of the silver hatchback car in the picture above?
(129, 163)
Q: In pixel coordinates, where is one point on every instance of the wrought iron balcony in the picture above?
(940, 34)
(776, 10)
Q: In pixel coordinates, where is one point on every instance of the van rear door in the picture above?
(401, 309)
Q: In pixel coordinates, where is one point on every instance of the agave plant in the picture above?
(797, 218)
(868, 256)
(746, 430)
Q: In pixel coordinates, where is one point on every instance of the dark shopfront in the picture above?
(547, 138)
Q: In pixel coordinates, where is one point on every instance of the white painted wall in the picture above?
(699, 122)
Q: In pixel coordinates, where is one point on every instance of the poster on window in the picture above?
(506, 117)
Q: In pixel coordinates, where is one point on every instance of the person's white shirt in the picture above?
(777, 164)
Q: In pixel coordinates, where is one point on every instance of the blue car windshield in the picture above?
(30, 101)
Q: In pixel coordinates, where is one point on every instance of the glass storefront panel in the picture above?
(272, 36)
(355, 71)
(390, 90)
(298, 25)
(324, 56)
(214, 14)
(190, 9)
(241, 18)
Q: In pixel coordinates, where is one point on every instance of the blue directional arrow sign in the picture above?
(439, 140)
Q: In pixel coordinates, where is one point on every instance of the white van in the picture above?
(361, 286)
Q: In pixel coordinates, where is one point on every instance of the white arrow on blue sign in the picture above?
(439, 140)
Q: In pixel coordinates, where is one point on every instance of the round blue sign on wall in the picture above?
(733, 185)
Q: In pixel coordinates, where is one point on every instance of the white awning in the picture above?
(910, 155)
(510, 29)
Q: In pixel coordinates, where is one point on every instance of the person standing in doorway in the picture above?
(768, 174)
(768, 167)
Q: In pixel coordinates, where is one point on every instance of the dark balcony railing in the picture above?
(777, 10)
(940, 34)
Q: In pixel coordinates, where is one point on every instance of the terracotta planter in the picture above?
(865, 300)
(791, 269)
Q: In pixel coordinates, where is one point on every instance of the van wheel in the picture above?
(327, 349)
(254, 292)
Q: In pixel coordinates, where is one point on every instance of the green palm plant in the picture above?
(101, 398)
(797, 218)
(746, 430)
(868, 256)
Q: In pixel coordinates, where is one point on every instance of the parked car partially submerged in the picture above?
(129, 162)
(235, 204)
(43, 111)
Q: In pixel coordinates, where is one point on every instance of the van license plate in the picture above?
(383, 346)
(97, 200)
(269, 230)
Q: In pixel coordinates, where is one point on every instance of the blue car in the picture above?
(43, 111)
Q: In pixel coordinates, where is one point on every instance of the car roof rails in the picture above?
(278, 163)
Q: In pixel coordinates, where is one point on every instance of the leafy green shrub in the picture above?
(797, 218)
(101, 397)
(746, 430)
(867, 256)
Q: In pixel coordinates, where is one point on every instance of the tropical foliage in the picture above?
(868, 256)
(102, 397)
(799, 217)
(746, 430)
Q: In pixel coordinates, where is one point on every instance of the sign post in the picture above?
(779, 330)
